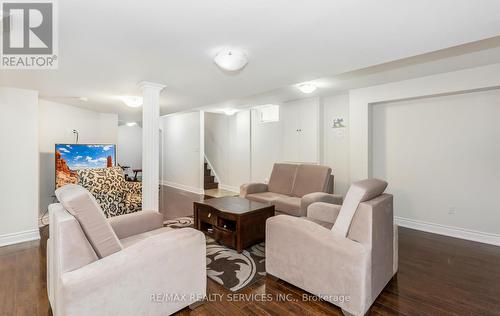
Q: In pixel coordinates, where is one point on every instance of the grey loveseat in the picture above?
(293, 187)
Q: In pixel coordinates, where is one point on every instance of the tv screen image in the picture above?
(72, 157)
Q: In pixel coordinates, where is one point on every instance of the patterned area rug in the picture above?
(226, 266)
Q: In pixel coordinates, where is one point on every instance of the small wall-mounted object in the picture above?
(76, 135)
(338, 122)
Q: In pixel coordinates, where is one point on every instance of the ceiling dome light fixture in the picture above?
(131, 101)
(307, 87)
(230, 111)
(231, 59)
(130, 124)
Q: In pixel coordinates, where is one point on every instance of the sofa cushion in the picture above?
(265, 197)
(282, 178)
(311, 178)
(83, 206)
(359, 192)
(289, 205)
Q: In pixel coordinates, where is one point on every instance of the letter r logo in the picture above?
(27, 28)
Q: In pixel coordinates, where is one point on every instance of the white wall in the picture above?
(336, 141)
(239, 167)
(227, 147)
(182, 151)
(361, 100)
(267, 141)
(129, 148)
(19, 161)
(441, 155)
(301, 125)
(56, 122)
(266, 147)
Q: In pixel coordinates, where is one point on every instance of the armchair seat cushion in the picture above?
(289, 205)
(129, 241)
(266, 197)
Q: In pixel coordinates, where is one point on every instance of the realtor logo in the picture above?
(29, 38)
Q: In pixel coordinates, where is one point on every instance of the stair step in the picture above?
(213, 185)
(208, 172)
(209, 179)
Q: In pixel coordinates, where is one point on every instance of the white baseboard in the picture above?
(457, 232)
(15, 238)
(229, 188)
(183, 187)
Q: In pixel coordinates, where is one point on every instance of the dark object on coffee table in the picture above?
(235, 222)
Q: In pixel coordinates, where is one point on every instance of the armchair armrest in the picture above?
(130, 281)
(250, 188)
(310, 198)
(322, 211)
(309, 233)
(136, 223)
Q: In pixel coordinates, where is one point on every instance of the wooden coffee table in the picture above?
(235, 222)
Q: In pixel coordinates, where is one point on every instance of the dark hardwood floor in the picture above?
(176, 203)
(437, 276)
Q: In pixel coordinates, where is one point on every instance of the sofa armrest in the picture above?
(322, 211)
(141, 279)
(250, 188)
(136, 223)
(310, 198)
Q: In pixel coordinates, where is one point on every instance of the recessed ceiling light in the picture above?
(231, 59)
(307, 87)
(131, 101)
(130, 124)
(230, 111)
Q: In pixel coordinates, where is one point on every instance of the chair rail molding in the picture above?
(150, 144)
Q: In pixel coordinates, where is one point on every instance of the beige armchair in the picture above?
(293, 187)
(127, 265)
(344, 254)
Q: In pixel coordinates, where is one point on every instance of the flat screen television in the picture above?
(71, 157)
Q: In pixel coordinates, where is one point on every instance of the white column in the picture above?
(150, 144)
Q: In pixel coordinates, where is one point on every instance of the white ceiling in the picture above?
(107, 47)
